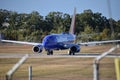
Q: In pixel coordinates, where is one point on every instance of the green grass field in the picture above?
(57, 68)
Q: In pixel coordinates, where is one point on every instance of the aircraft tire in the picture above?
(49, 52)
(71, 53)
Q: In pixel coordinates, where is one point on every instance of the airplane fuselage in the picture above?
(58, 41)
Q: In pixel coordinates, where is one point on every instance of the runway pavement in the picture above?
(84, 55)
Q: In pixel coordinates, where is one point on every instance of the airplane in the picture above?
(59, 41)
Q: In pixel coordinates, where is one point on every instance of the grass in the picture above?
(14, 48)
(53, 68)
(57, 68)
(5, 65)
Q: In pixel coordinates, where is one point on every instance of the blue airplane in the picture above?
(55, 41)
(60, 41)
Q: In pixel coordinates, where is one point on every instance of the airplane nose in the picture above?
(45, 41)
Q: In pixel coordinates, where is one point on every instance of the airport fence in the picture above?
(68, 68)
(54, 69)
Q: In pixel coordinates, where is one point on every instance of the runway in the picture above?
(80, 55)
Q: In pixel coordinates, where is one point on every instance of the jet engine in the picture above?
(74, 49)
(38, 48)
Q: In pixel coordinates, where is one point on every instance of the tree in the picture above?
(33, 27)
(66, 22)
(105, 35)
(86, 35)
(55, 20)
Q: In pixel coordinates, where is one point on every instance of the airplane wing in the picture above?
(21, 42)
(98, 42)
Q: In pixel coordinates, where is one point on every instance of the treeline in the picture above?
(33, 26)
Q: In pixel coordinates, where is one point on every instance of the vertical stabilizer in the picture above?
(72, 27)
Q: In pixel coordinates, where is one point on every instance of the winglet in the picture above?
(72, 27)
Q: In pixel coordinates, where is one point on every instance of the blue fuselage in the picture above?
(58, 41)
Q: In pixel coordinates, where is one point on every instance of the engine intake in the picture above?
(75, 48)
(37, 48)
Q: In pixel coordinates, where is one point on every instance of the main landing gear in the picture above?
(70, 52)
(49, 52)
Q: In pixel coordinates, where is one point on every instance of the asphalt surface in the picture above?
(84, 55)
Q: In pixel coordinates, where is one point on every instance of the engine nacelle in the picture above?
(75, 48)
(37, 49)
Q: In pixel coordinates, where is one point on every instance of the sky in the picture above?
(65, 6)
